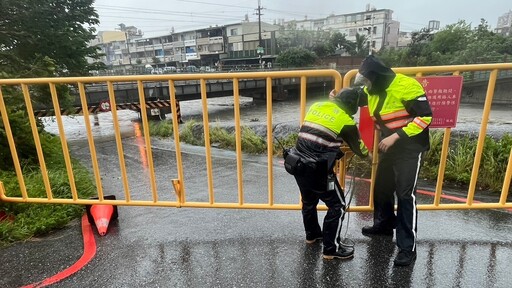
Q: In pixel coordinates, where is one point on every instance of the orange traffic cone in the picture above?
(102, 214)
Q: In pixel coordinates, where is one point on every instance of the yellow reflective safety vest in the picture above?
(328, 115)
(391, 109)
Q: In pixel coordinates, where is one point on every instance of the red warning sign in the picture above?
(105, 106)
(443, 94)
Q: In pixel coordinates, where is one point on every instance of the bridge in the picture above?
(157, 93)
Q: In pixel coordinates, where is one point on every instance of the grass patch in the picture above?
(162, 128)
(38, 219)
(461, 157)
(192, 132)
(458, 167)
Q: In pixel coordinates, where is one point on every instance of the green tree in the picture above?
(322, 49)
(454, 44)
(41, 38)
(290, 36)
(296, 57)
(361, 46)
(452, 39)
(33, 30)
(338, 41)
(484, 46)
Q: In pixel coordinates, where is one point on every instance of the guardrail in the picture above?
(494, 70)
(179, 182)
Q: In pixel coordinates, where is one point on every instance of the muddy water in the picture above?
(221, 110)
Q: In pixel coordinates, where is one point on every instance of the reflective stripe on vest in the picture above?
(393, 113)
(319, 140)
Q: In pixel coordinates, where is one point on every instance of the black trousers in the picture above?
(397, 172)
(313, 187)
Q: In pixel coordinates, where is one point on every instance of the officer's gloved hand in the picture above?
(359, 90)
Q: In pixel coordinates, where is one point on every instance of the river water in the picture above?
(221, 111)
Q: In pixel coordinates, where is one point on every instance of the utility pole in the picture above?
(128, 47)
(260, 50)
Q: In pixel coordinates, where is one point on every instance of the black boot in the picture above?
(405, 258)
(344, 252)
(377, 230)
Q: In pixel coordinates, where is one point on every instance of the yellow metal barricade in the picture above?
(493, 70)
(178, 182)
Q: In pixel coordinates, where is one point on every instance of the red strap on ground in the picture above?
(89, 252)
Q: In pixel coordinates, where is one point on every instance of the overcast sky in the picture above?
(157, 17)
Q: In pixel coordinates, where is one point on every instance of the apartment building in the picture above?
(504, 26)
(245, 43)
(114, 45)
(377, 25)
(111, 44)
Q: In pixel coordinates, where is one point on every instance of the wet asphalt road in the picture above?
(192, 247)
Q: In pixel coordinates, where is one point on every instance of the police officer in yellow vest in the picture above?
(326, 125)
(402, 114)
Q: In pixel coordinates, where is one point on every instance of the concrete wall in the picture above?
(475, 92)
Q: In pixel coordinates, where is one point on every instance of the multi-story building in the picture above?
(110, 44)
(249, 43)
(245, 43)
(115, 45)
(376, 24)
(504, 26)
(239, 43)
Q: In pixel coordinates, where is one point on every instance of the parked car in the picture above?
(206, 69)
(157, 71)
(190, 69)
(170, 69)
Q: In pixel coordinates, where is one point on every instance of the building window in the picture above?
(234, 32)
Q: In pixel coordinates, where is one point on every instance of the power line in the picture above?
(214, 4)
(161, 12)
(164, 20)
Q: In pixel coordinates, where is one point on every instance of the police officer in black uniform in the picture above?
(326, 125)
(402, 114)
